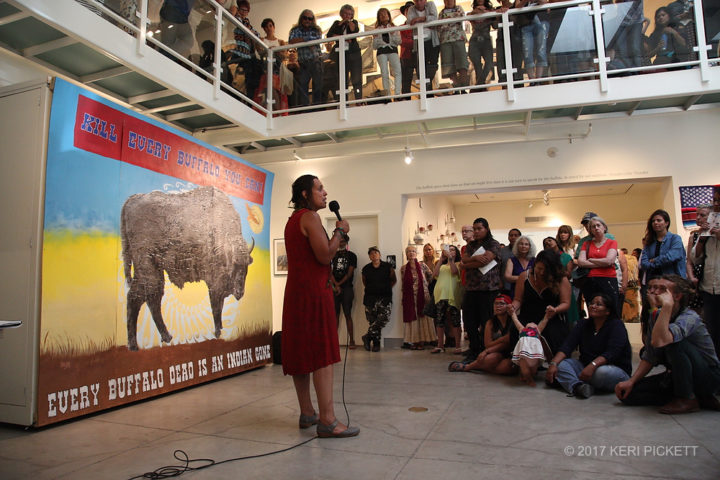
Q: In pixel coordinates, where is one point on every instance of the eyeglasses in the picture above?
(657, 288)
(304, 17)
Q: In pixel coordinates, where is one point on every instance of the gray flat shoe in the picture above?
(307, 421)
(326, 431)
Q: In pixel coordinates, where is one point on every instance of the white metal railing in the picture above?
(503, 21)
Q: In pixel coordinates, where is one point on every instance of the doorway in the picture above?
(363, 235)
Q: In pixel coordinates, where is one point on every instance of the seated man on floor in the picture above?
(675, 336)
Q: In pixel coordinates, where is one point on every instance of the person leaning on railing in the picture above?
(386, 45)
(480, 49)
(243, 51)
(422, 12)
(308, 58)
(353, 56)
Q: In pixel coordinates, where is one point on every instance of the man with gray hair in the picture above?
(353, 57)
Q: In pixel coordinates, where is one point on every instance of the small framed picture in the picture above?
(392, 261)
(280, 263)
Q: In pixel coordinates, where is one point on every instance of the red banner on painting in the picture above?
(103, 130)
(98, 128)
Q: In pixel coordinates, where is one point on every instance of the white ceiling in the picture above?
(559, 192)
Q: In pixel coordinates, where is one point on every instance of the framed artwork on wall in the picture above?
(280, 265)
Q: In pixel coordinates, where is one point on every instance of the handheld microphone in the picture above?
(334, 207)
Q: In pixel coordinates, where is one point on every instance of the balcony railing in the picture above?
(583, 40)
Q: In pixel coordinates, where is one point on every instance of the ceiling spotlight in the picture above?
(408, 156)
(296, 156)
(546, 197)
(531, 205)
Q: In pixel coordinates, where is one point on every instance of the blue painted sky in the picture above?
(86, 191)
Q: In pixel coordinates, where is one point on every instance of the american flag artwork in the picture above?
(690, 198)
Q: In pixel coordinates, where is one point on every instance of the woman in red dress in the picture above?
(309, 339)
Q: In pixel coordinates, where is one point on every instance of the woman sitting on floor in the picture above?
(605, 353)
(496, 356)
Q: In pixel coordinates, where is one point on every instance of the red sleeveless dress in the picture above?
(309, 329)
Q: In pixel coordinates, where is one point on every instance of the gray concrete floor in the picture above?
(475, 426)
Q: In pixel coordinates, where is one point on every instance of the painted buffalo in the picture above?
(192, 236)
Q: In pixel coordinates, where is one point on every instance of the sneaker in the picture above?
(583, 390)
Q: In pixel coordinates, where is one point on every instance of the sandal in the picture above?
(307, 421)
(437, 350)
(326, 431)
(456, 367)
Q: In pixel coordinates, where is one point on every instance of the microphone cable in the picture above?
(170, 471)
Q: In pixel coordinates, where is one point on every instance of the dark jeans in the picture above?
(477, 309)
(408, 67)
(311, 70)
(345, 300)
(628, 46)
(711, 316)
(690, 375)
(432, 54)
(353, 69)
(517, 54)
(480, 53)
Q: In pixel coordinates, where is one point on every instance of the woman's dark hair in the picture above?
(486, 3)
(549, 238)
(553, 268)
(243, 3)
(608, 302)
(650, 236)
(266, 22)
(488, 238)
(456, 255)
(302, 184)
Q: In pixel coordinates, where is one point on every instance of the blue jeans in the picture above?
(534, 42)
(628, 46)
(310, 70)
(604, 378)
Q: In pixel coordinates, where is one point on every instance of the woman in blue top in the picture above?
(663, 254)
(663, 251)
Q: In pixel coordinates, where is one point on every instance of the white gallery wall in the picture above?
(680, 146)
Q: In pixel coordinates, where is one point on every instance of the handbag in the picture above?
(430, 309)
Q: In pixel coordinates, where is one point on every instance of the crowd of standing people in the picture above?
(523, 312)
(466, 53)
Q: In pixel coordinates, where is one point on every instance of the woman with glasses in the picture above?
(605, 353)
(309, 59)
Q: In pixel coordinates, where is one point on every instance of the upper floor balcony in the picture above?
(562, 61)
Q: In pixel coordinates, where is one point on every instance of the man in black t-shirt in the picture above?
(343, 269)
(378, 278)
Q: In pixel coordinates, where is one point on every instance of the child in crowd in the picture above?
(386, 45)
(529, 351)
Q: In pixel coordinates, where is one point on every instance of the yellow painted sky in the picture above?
(83, 298)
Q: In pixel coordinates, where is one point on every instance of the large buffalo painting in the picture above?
(192, 236)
